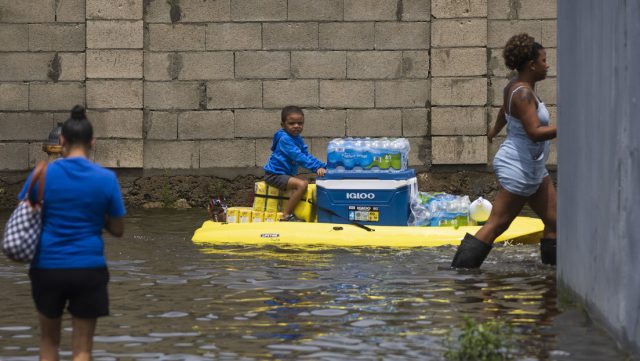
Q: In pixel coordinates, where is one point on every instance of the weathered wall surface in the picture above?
(598, 205)
(197, 84)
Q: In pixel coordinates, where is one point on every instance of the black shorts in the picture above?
(279, 181)
(82, 290)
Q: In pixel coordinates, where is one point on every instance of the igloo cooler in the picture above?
(378, 199)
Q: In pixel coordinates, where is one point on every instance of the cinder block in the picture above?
(497, 67)
(402, 93)
(25, 66)
(262, 64)
(420, 152)
(346, 94)
(25, 126)
(459, 91)
(234, 94)
(553, 153)
(494, 146)
(258, 10)
(176, 37)
(186, 11)
(256, 123)
(416, 10)
(14, 37)
(324, 123)
(458, 61)
(442, 9)
(493, 115)
(415, 122)
(459, 150)
(236, 153)
(114, 9)
(160, 154)
(114, 34)
(415, 64)
(459, 32)
(205, 125)
(540, 9)
(55, 96)
(305, 10)
(160, 66)
(56, 37)
(290, 36)
(502, 9)
(114, 64)
(173, 95)
(496, 91)
(70, 11)
(374, 64)
(33, 11)
(231, 36)
(544, 31)
(358, 10)
(116, 123)
(72, 67)
(14, 96)
(205, 65)
(546, 90)
(346, 36)
(319, 64)
(374, 123)
(318, 148)
(458, 121)
(160, 125)
(280, 93)
(263, 151)
(404, 35)
(36, 154)
(15, 156)
(109, 94)
(119, 153)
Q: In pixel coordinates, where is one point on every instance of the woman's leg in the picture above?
(506, 208)
(298, 187)
(82, 339)
(543, 202)
(49, 337)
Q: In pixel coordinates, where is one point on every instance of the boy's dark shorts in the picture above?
(83, 289)
(277, 180)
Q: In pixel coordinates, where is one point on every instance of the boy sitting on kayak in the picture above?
(289, 152)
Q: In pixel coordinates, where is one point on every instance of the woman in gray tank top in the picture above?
(520, 162)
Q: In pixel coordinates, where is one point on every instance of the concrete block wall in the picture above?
(194, 84)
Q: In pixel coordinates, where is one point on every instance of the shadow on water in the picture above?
(173, 300)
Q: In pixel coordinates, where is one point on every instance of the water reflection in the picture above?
(172, 300)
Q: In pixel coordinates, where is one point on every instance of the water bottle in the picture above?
(480, 209)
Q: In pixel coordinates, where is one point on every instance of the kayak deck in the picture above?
(522, 230)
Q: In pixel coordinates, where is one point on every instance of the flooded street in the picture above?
(173, 300)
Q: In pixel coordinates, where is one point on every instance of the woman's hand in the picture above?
(492, 134)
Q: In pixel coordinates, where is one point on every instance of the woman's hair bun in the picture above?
(78, 112)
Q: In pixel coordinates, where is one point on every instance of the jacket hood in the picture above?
(276, 138)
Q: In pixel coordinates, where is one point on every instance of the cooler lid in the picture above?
(399, 175)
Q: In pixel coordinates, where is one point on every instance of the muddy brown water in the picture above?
(173, 300)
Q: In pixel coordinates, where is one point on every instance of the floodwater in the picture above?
(173, 300)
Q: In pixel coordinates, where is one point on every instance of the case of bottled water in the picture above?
(368, 154)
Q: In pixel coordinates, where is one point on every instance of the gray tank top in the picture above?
(517, 136)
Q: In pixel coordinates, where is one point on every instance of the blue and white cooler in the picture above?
(378, 199)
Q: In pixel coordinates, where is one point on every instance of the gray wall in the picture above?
(599, 160)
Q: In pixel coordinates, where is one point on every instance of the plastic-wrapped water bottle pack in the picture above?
(440, 209)
(368, 154)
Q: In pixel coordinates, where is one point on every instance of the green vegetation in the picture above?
(481, 341)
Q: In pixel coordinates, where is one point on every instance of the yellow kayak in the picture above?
(522, 230)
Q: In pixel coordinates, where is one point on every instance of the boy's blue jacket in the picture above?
(289, 153)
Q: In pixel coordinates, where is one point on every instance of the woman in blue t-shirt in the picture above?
(69, 269)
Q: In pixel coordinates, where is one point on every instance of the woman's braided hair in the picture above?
(519, 50)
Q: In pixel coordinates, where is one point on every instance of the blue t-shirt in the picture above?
(77, 195)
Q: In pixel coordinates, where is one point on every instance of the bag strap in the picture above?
(38, 175)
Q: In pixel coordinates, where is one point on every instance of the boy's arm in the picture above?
(303, 159)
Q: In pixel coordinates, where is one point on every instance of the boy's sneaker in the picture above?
(291, 218)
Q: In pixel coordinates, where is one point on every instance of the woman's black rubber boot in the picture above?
(471, 253)
(548, 251)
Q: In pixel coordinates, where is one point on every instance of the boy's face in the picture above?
(293, 124)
